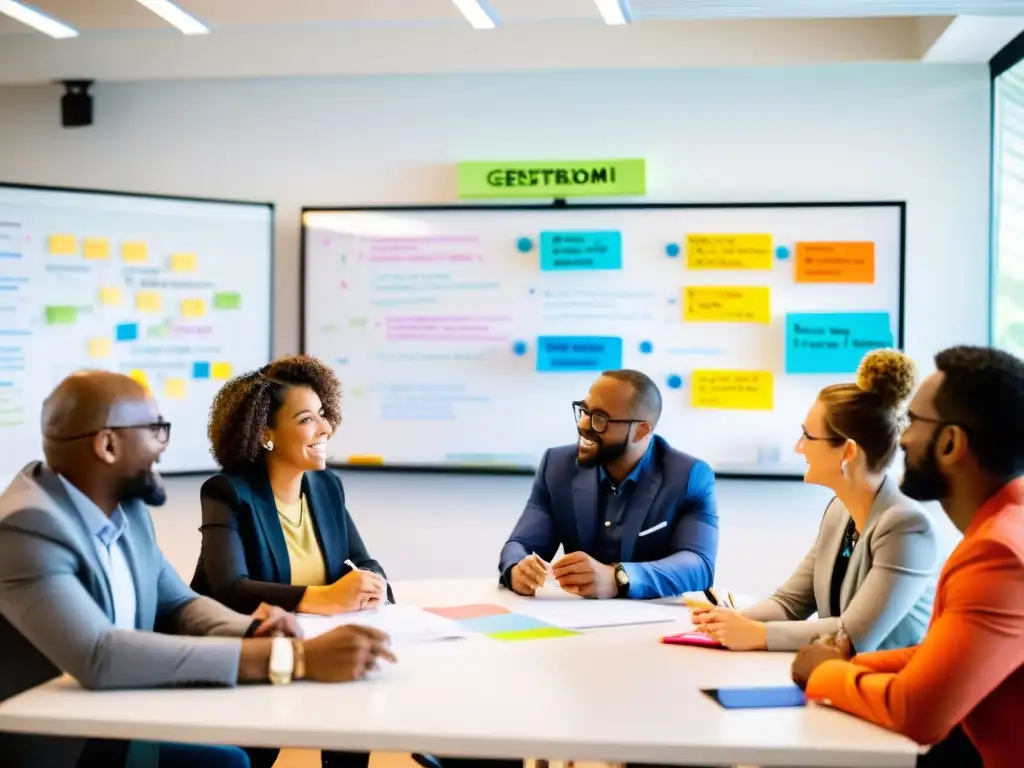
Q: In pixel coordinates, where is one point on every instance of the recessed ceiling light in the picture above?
(614, 11)
(478, 13)
(38, 21)
(173, 15)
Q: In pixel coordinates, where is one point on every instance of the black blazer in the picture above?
(244, 558)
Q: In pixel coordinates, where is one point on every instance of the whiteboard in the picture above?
(463, 334)
(174, 292)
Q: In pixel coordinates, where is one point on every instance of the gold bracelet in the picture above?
(300, 659)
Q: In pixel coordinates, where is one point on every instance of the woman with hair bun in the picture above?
(871, 571)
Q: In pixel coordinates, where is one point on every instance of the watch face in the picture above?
(621, 576)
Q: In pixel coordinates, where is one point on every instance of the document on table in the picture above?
(555, 606)
(404, 623)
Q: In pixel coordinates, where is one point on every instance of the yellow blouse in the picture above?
(307, 562)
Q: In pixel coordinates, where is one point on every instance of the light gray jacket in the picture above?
(57, 611)
(887, 594)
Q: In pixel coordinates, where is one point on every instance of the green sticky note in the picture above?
(227, 300)
(156, 331)
(552, 178)
(61, 315)
(534, 633)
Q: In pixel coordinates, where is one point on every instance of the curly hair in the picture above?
(982, 392)
(249, 403)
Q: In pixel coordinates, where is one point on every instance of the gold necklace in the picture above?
(302, 510)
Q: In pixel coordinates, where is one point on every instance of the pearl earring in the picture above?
(842, 468)
(269, 445)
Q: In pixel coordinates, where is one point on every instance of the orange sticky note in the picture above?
(147, 301)
(63, 245)
(850, 262)
(134, 253)
(96, 248)
(220, 370)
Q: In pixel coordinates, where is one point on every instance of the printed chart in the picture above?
(175, 293)
(462, 335)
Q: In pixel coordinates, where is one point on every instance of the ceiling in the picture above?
(101, 16)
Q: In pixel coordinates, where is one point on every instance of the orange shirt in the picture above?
(970, 666)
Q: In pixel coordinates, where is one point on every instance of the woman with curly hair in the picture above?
(872, 569)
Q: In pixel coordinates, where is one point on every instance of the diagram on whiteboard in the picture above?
(462, 336)
(172, 293)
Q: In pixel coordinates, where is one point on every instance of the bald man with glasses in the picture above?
(636, 518)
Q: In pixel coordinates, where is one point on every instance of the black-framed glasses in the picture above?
(598, 421)
(820, 438)
(161, 430)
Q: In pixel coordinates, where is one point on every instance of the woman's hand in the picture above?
(733, 630)
(355, 591)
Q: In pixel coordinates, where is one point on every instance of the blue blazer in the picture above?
(244, 558)
(670, 534)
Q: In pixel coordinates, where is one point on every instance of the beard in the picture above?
(146, 486)
(605, 453)
(923, 480)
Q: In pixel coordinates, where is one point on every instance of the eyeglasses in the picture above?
(598, 421)
(815, 438)
(160, 429)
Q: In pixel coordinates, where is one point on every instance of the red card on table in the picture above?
(692, 638)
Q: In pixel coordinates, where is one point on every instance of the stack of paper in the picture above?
(403, 623)
(562, 609)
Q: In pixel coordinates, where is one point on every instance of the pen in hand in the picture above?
(354, 567)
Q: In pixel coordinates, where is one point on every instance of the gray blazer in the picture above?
(887, 594)
(57, 611)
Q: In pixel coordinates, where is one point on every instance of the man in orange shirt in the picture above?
(964, 447)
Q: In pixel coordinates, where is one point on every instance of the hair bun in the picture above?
(889, 374)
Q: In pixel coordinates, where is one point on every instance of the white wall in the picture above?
(909, 132)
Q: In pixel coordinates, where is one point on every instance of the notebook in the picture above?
(770, 697)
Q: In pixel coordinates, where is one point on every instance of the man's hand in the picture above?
(731, 629)
(580, 574)
(346, 653)
(275, 621)
(529, 575)
(809, 658)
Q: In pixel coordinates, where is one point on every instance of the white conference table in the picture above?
(612, 695)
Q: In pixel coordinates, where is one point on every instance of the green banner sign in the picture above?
(556, 178)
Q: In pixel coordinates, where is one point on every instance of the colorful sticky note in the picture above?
(733, 390)
(729, 252)
(148, 301)
(227, 300)
(200, 370)
(174, 389)
(183, 262)
(852, 262)
(126, 331)
(221, 370)
(61, 315)
(502, 622)
(834, 342)
(96, 248)
(193, 308)
(140, 376)
(534, 633)
(111, 296)
(63, 245)
(578, 353)
(575, 250)
(134, 253)
(726, 304)
(99, 347)
(460, 612)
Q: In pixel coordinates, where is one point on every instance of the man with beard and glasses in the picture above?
(636, 517)
(964, 447)
(84, 589)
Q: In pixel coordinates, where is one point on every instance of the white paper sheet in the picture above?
(555, 606)
(405, 624)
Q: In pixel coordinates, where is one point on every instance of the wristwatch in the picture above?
(621, 580)
(282, 661)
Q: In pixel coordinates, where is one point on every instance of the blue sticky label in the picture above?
(126, 331)
(572, 250)
(833, 342)
(578, 353)
(200, 370)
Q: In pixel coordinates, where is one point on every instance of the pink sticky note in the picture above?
(462, 612)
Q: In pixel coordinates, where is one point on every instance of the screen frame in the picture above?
(561, 204)
(271, 209)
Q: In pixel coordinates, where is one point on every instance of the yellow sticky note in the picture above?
(175, 389)
(134, 253)
(140, 376)
(733, 390)
(63, 245)
(96, 248)
(183, 262)
(193, 307)
(147, 301)
(729, 252)
(99, 347)
(220, 370)
(111, 296)
(726, 304)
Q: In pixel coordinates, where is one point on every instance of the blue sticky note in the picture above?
(126, 331)
(578, 353)
(768, 697)
(502, 622)
(579, 249)
(200, 370)
(833, 342)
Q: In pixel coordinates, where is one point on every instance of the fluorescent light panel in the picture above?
(614, 11)
(39, 22)
(173, 15)
(478, 13)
